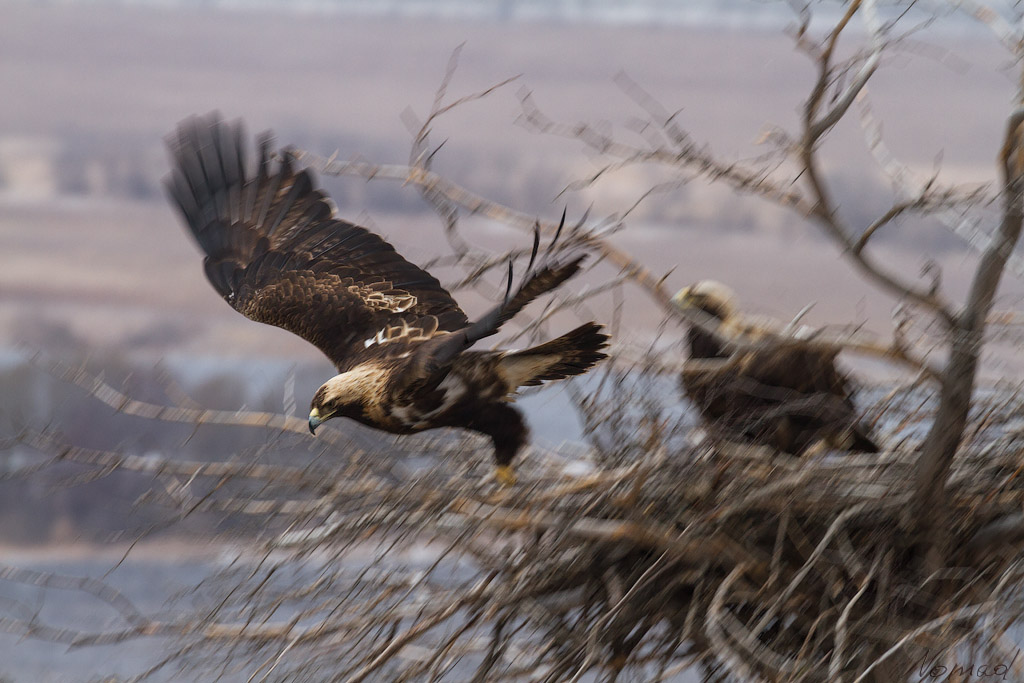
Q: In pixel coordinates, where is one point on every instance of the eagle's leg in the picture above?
(507, 429)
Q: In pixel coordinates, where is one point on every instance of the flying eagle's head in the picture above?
(343, 395)
(712, 297)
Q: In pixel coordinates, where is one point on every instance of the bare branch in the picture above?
(958, 383)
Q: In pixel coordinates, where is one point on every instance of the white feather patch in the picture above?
(404, 330)
(454, 390)
(405, 415)
(518, 370)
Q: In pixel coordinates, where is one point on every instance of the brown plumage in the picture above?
(277, 254)
(782, 394)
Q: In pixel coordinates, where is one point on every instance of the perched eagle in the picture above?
(782, 393)
(278, 255)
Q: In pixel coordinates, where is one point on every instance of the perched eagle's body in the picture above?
(277, 254)
(781, 394)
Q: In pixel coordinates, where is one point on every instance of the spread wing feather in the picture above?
(442, 349)
(276, 253)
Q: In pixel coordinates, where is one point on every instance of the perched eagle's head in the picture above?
(341, 396)
(712, 297)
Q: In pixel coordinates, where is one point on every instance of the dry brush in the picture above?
(648, 552)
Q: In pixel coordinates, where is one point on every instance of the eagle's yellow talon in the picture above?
(505, 475)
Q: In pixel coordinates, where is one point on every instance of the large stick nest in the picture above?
(640, 558)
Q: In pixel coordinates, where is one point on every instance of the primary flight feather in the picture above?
(278, 255)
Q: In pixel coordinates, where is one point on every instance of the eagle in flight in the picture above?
(278, 255)
(781, 393)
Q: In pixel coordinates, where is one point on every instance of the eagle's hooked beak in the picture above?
(314, 420)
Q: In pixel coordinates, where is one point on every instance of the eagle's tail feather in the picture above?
(571, 354)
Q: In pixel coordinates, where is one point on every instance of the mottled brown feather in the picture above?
(275, 252)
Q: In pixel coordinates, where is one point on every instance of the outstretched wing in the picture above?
(440, 350)
(277, 254)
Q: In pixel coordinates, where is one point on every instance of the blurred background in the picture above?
(96, 269)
